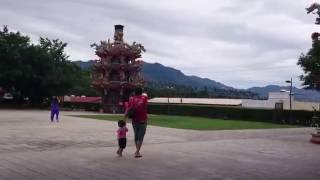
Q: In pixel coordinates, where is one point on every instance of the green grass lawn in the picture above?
(196, 123)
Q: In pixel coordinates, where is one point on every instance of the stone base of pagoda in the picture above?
(315, 137)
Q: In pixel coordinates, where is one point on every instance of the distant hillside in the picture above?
(163, 76)
(263, 91)
(299, 94)
(84, 64)
(157, 73)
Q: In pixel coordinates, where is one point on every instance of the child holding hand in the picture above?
(122, 136)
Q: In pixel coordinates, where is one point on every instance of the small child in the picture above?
(122, 136)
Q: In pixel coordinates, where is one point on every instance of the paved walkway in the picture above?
(31, 147)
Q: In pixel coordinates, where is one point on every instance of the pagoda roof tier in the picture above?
(107, 48)
(130, 67)
(105, 82)
(116, 85)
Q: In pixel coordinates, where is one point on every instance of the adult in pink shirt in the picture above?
(139, 103)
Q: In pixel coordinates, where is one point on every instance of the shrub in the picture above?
(84, 106)
(234, 113)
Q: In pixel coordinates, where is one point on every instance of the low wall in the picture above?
(208, 101)
(308, 106)
(246, 103)
(270, 104)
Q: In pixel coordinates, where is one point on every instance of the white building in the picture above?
(280, 97)
(273, 98)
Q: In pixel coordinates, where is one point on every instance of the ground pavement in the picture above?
(31, 147)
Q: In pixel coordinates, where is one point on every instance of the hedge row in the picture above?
(234, 113)
(82, 106)
(23, 106)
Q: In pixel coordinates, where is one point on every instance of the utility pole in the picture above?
(169, 88)
(290, 100)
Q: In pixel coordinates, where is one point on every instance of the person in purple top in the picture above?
(55, 109)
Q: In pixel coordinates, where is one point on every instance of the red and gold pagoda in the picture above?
(117, 72)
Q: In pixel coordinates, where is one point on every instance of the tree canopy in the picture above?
(35, 71)
(310, 64)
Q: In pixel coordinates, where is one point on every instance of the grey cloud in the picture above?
(198, 37)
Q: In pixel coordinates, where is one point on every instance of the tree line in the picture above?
(35, 72)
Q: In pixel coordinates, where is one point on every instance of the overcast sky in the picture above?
(241, 43)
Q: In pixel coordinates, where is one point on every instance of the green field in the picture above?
(195, 123)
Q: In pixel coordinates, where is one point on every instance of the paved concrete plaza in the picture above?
(31, 147)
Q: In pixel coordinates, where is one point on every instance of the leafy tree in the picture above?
(310, 64)
(35, 71)
(83, 85)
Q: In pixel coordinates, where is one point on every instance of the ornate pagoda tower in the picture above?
(117, 71)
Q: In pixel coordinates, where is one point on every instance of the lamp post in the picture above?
(290, 96)
(168, 88)
(181, 95)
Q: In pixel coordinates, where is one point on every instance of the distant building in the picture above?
(82, 99)
(208, 101)
(280, 97)
(273, 98)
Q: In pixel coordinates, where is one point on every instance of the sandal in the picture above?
(138, 155)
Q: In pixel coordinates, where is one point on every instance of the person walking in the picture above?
(122, 136)
(54, 109)
(137, 111)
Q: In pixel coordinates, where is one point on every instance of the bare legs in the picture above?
(138, 147)
(139, 132)
(119, 152)
(54, 112)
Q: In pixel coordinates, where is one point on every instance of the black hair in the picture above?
(121, 123)
(138, 91)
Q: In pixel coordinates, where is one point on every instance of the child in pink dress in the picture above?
(122, 136)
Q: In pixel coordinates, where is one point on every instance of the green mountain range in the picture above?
(160, 76)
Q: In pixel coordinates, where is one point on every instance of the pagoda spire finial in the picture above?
(118, 32)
